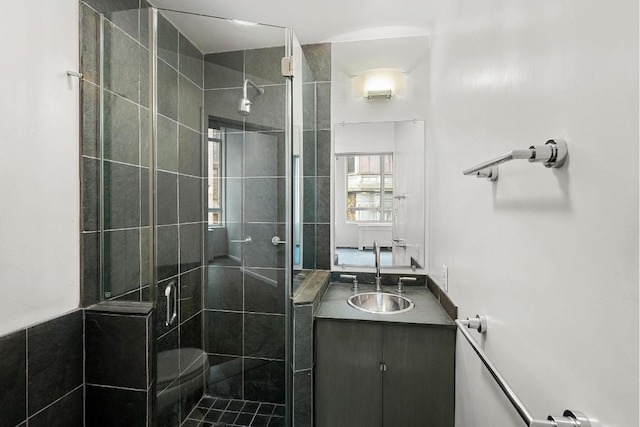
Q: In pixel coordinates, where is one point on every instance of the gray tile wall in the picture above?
(304, 306)
(245, 304)
(316, 92)
(125, 167)
(123, 161)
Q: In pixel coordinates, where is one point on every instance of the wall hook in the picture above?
(74, 74)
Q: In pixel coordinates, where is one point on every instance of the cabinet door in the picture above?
(348, 379)
(418, 385)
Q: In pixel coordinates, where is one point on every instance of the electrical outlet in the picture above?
(445, 278)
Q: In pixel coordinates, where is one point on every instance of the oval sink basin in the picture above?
(380, 303)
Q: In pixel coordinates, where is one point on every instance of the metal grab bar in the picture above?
(245, 240)
(570, 418)
(171, 317)
(552, 154)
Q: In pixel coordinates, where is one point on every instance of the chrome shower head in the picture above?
(245, 103)
(245, 107)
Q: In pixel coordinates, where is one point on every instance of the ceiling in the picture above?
(313, 22)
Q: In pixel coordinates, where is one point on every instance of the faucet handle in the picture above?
(351, 277)
(400, 285)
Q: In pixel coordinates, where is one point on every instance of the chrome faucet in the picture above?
(376, 251)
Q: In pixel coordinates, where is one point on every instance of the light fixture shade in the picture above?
(378, 83)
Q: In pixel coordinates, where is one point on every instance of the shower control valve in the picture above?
(276, 241)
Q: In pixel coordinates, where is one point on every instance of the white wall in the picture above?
(409, 54)
(551, 256)
(39, 172)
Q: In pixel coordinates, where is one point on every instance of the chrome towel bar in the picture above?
(553, 155)
(569, 418)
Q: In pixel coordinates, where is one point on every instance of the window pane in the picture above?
(388, 200)
(388, 183)
(388, 164)
(369, 164)
(213, 174)
(368, 177)
(363, 215)
(364, 200)
(351, 164)
(351, 215)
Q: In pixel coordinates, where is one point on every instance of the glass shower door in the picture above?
(247, 269)
(177, 127)
(222, 216)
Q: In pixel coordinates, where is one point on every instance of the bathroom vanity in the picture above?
(391, 370)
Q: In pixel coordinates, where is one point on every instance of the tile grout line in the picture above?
(117, 387)
(54, 402)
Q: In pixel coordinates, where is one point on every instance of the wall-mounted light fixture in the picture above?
(378, 83)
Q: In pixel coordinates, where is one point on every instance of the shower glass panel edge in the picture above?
(117, 73)
(153, 137)
(290, 40)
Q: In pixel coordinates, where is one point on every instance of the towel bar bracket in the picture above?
(552, 155)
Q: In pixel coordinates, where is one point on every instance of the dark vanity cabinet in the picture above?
(375, 374)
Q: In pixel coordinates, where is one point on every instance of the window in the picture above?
(370, 188)
(214, 175)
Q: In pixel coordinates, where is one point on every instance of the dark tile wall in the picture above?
(121, 205)
(119, 364)
(245, 295)
(180, 185)
(304, 305)
(124, 164)
(42, 374)
(316, 140)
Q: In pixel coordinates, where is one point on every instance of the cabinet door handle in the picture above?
(383, 367)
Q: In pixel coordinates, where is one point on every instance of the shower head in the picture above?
(245, 103)
(245, 107)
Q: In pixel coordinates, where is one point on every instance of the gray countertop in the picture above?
(427, 310)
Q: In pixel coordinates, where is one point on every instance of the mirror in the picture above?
(379, 194)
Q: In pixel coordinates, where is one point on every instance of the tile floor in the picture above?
(218, 412)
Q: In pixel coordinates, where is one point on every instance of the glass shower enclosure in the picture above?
(192, 155)
(230, 114)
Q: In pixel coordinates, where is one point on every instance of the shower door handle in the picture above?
(245, 240)
(276, 241)
(171, 316)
